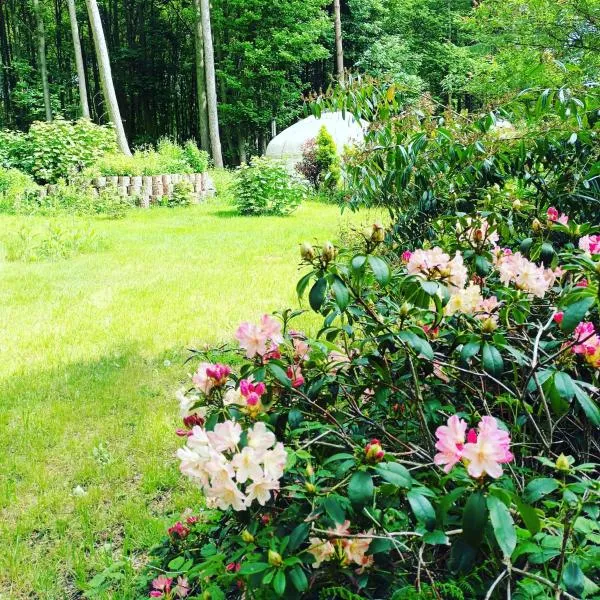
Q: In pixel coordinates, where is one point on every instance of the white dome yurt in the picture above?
(288, 144)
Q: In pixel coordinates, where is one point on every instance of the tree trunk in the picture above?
(83, 98)
(41, 34)
(106, 76)
(211, 85)
(201, 82)
(339, 49)
(242, 148)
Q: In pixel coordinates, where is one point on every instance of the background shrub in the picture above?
(13, 185)
(196, 158)
(265, 187)
(320, 164)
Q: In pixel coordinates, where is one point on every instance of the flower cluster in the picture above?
(261, 339)
(470, 301)
(347, 548)
(435, 264)
(484, 452)
(215, 460)
(479, 232)
(588, 343)
(247, 397)
(162, 587)
(590, 243)
(524, 274)
(209, 376)
(554, 217)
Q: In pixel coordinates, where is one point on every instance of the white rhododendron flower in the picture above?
(217, 463)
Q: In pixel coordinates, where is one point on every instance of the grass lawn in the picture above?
(92, 350)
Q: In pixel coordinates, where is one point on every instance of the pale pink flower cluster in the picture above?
(478, 232)
(348, 549)
(590, 243)
(554, 217)
(435, 264)
(588, 343)
(230, 476)
(484, 452)
(470, 301)
(524, 274)
(259, 339)
(209, 376)
(248, 397)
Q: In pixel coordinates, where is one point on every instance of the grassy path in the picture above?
(91, 352)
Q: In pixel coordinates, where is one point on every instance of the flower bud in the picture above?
(309, 470)
(311, 488)
(489, 325)
(562, 464)
(367, 232)
(405, 310)
(374, 452)
(378, 233)
(597, 268)
(247, 536)
(517, 204)
(536, 225)
(275, 558)
(328, 252)
(307, 252)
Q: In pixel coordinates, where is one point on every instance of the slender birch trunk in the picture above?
(41, 35)
(201, 82)
(106, 79)
(211, 85)
(339, 49)
(83, 98)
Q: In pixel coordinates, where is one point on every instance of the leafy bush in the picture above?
(182, 195)
(61, 149)
(264, 187)
(53, 242)
(168, 158)
(14, 185)
(441, 426)
(320, 164)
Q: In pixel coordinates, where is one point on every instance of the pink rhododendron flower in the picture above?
(294, 373)
(435, 264)
(218, 373)
(406, 256)
(254, 338)
(589, 346)
(478, 232)
(554, 217)
(182, 589)
(526, 275)
(489, 452)
(156, 594)
(202, 380)
(582, 283)
(451, 439)
(225, 436)
(301, 349)
(590, 243)
(355, 549)
(260, 490)
(339, 529)
(162, 583)
(178, 530)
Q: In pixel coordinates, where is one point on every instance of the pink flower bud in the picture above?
(406, 256)
(582, 283)
(552, 214)
(558, 317)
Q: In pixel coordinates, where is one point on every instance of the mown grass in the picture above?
(92, 350)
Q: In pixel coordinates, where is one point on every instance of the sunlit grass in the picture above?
(92, 349)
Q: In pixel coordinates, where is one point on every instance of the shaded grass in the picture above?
(92, 351)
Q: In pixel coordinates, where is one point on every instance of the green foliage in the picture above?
(182, 195)
(61, 149)
(443, 591)
(327, 160)
(169, 158)
(264, 187)
(14, 185)
(54, 242)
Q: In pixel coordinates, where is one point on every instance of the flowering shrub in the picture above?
(436, 439)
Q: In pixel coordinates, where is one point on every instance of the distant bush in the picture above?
(51, 151)
(320, 164)
(53, 242)
(168, 158)
(264, 187)
(182, 195)
(13, 185)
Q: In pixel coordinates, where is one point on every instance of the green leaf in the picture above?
(492, 360)
(538, 488)
(422, 508)
(482, 265)
(340, 291)
(279, 374)
(298, 578)
(334, 510)
(529, 516)
(316, 296)
(380, 269)
(420, 345)
(303, 284)
(394, 473)
(475, 517)
(573, 578)
(575, 312)
(462, 556)
(590, 408)
(436, 537)
(279, 583)
(358, 263)
(502, 524)
(298, 535)
(176, 563)
(253, 568)
(469, 350)
(360, 488)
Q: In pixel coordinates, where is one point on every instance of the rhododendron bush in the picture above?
(436, 438)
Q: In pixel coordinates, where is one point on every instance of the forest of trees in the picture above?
(269, 54)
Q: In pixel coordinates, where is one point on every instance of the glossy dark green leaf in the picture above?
(395, 473)
(253, 568)
(538, 488)
(316, 296)
(334, 510)
(574, 313)
(298, 535)
(589, 407)
(573, 578)
(279, 374)
(340, 292)
(492, 360)
(503, 525)
(360, 488)
(279, 583)
(298, 578)
(380, 269)
(475, 516)
(529, 516)
(422, 508)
